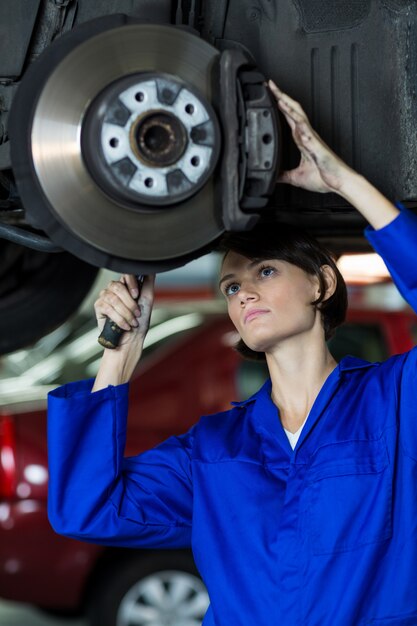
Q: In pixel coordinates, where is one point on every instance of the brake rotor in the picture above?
(137, 189)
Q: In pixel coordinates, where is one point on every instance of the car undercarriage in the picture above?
(133, 133)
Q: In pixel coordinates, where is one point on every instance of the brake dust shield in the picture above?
(53, 177)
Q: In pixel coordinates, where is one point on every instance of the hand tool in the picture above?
(112, 333)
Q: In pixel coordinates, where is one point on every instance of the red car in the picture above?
(189, 368)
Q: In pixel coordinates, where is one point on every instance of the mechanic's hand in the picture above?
(320, 169)
(119, 302)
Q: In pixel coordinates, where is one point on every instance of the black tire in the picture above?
(117, 579)
(38, 292)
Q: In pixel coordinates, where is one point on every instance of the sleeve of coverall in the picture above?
(397, 244)
(97, 495)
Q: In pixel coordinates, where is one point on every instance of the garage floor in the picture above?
(12, 614)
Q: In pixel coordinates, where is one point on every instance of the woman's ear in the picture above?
(330, 280)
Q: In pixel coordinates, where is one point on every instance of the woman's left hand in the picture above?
(320, 169)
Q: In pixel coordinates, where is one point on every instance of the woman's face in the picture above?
(268, 301)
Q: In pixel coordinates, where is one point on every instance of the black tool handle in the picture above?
(111, 334)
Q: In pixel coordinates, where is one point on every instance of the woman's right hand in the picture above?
(119, 302)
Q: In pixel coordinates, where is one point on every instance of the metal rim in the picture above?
(77, 201)
(150, 139)
(166, 598)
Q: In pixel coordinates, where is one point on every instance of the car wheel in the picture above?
(115, 140)
(38, 292)
(161, 589)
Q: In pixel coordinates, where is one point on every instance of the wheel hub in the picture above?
(157, 139)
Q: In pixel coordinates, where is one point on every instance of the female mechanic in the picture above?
(319, 531)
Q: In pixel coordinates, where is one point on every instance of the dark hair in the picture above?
(287, 243)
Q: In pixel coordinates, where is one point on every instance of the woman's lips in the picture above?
(250, 315)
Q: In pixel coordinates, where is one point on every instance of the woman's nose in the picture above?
(247, 294)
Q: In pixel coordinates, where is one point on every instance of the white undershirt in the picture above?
(294, 437)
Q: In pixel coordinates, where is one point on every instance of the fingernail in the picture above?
(137, 312)
(134, 293)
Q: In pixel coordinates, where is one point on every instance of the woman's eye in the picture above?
(266, 271)
(230, 290)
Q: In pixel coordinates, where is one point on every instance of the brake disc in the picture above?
(123, 145)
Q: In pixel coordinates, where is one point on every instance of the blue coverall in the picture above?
(322, 535)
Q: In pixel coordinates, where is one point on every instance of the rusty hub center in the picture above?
(159, 139)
